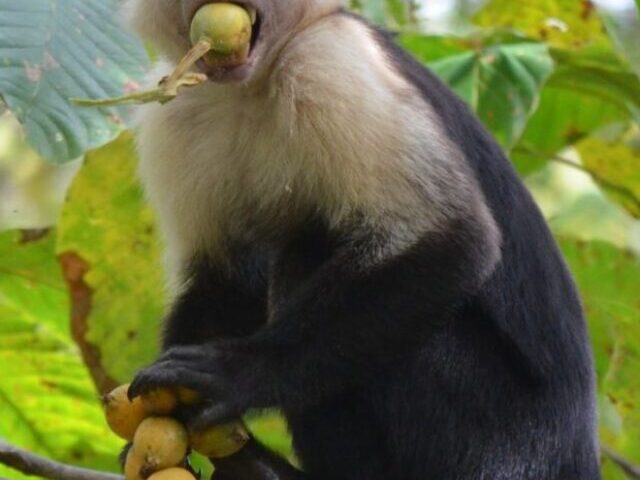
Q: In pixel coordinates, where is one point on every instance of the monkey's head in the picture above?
(166, 24)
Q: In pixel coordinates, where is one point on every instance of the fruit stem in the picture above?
(198, 51)
(167, 88)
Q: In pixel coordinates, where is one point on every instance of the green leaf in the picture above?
(48, 403)
(563, 118)
(599, 72)
(394, 13)
(375, 10)
(607, 278)
(500, 77)
(107, 227)
(588, 90)
(271, 429)
(53, 50)
(562, 23)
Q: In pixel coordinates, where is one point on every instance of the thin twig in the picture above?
(167, 89)
(32, 464)
(631, 470)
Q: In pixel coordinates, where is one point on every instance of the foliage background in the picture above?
(556, 81)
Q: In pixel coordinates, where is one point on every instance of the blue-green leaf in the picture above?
(53, 50)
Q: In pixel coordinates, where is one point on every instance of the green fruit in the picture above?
(228, 27)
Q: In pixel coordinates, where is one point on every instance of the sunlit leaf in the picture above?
(562, 23)
(108, 229)
(607, 278)
(48, 402)
(53, 50)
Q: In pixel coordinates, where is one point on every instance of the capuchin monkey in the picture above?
(345, 242)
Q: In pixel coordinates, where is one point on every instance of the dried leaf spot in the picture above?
(50, 61)
(33, 72)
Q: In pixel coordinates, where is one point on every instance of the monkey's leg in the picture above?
(255, 462)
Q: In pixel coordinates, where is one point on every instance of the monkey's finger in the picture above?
(155, 377)
(204, 365)
(188, 353)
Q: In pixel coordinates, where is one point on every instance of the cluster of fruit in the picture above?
(160, 443)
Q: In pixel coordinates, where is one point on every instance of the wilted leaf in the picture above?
(48, 403)
(617, 168)
(500, 77)
(562, 23)
(608, 280)
(106, 226)
(53, 50)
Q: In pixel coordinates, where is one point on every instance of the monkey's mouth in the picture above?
(238, 71)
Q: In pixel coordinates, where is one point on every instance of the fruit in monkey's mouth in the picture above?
(228, 28)
(222, 36)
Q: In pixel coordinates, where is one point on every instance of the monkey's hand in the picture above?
(210, 369)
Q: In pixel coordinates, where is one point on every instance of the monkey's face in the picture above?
(166, 23)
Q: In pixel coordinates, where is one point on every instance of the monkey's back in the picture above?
(506, 389)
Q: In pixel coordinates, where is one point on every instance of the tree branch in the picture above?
(31, 464)
(631, 470)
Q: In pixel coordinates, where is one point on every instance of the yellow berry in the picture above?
(187, 396)
(123, 416)
(133, 466)
(161, 401)
(172, 474)
(162, 442)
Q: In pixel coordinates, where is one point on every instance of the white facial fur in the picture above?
(332, 130)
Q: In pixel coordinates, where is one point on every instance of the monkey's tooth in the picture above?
(253, 14)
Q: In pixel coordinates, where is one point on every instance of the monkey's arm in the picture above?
(213, 306)
(352, 314)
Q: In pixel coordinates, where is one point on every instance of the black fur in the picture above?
(415, 368)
